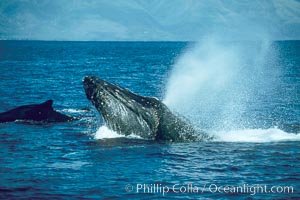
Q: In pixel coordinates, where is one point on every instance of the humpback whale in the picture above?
(35, 112)
(128, 113)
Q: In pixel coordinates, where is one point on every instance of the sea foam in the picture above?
(105, 133)
(256, 135)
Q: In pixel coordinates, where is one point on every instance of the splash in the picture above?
(256, 135)
(223, 86)
(104, 133)
(213, 83)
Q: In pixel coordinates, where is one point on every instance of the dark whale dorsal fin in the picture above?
(47, 104)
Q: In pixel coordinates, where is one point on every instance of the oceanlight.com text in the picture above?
(191, 188)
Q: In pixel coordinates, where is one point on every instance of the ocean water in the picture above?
(245, 94)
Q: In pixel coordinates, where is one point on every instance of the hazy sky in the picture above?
(149, 19)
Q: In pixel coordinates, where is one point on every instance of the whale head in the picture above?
(127, 113)
(122, 110)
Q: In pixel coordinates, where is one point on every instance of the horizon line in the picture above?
(243, 40)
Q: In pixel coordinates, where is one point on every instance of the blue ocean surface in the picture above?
(245, 94)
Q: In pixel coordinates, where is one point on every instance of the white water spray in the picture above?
(105, 133)
(217, 85)
(256, 135)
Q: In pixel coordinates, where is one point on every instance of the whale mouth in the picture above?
(123, 111)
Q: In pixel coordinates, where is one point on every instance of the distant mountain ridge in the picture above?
(148, 20)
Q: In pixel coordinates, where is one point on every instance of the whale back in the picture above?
(34, 112)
